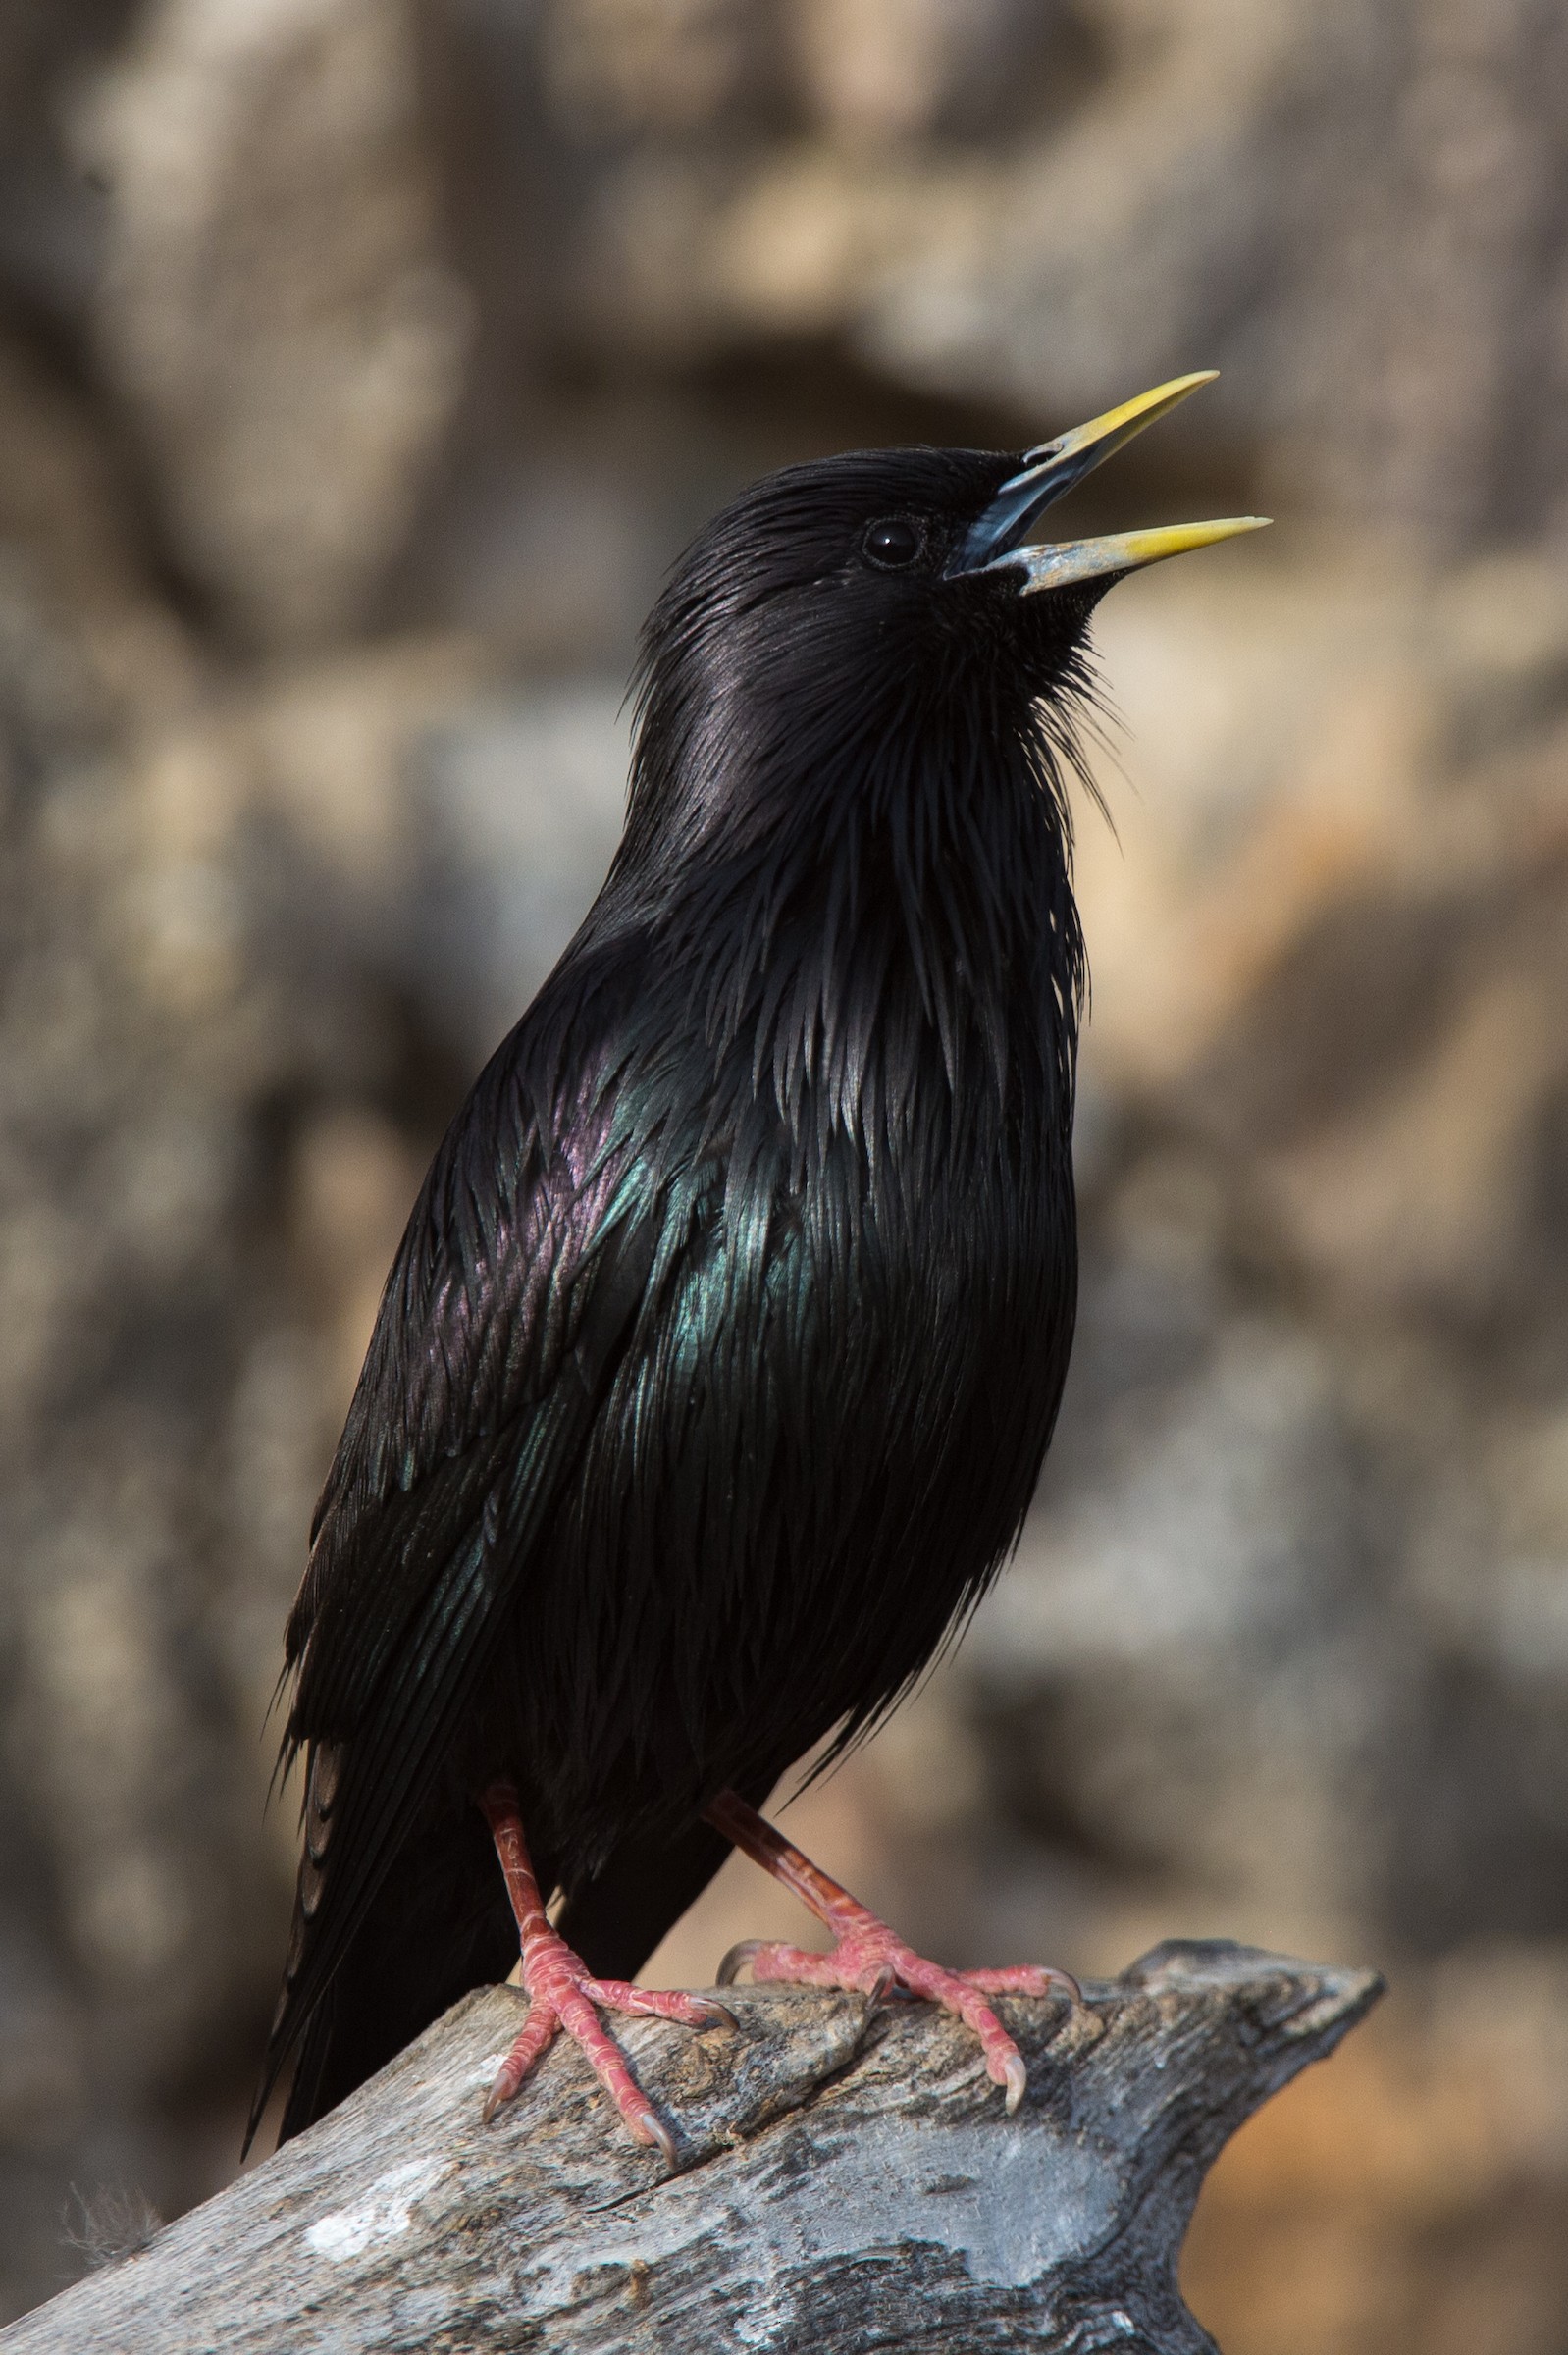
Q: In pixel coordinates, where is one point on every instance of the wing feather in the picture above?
(497, 1336)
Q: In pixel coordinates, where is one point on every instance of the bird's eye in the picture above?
(896, 540)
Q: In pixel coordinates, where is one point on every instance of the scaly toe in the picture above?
(538, 2035)
(661, 2003)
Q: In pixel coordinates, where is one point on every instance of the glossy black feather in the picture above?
(719, 1357)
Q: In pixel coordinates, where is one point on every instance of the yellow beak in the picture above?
(1052, 469)
(1064, 560)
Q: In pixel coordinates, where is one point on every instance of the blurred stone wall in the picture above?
(361, 366)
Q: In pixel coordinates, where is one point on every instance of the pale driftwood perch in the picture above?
(843, 2185)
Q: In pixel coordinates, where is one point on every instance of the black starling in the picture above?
(718, 1363)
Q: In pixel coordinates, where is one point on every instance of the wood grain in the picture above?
(844, 2183)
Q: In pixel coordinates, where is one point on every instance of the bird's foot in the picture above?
(871, 1959)
(867, 1957)
(564, 1997)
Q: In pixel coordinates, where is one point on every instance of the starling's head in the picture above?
(859, 611)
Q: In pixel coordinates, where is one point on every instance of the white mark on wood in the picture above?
(483, 2072)
(387, 2212)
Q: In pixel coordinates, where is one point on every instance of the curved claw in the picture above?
(651, 2129)
(882, 1986)
(1014, 2078)
(716, 2016)
(736, 1961)
(1026, 1978)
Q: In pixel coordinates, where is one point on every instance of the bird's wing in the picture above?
(507, 1308)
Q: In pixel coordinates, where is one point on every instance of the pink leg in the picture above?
(868, 1956)
(562, 1996)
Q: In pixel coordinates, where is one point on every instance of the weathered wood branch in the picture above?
(844, 2183)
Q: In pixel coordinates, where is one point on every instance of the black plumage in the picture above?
(719, 1360)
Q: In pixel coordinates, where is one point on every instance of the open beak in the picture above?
(995, 540)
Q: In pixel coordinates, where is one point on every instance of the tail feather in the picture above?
(323, 1776)
(439, 1925)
